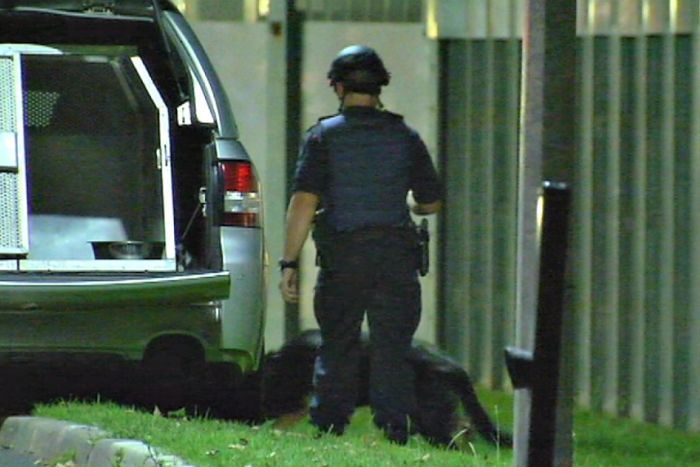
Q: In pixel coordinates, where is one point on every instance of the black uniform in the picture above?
(361, 163)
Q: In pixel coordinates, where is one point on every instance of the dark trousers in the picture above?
(372, 272)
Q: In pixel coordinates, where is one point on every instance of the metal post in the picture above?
(547, 148)
(294, 53)
(547, 444)
(284, 129)
(275, 165)
(542, 372)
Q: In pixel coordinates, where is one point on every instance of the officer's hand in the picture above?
(289, 285)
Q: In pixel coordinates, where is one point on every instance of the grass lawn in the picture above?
(599, 440)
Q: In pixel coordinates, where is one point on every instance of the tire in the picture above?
(169, 378)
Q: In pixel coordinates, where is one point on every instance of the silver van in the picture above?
(130, 213)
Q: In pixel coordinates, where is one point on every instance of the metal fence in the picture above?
(362, 10)
(480, 124)
(396, 11)
(635, 282)
(637, 245)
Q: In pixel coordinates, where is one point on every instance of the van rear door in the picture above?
(97, 138)
(98, 157)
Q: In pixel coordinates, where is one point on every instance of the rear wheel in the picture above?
(171, 374)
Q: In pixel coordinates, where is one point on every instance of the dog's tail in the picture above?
(483, 424)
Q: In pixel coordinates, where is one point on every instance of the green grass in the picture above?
(599, 440)
(205, 442)
(606, 441)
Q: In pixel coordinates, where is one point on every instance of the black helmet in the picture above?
(360, 69)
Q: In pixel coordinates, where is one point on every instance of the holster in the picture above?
(324, 237)
(423, 247)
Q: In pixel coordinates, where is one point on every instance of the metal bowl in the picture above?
(129, 249)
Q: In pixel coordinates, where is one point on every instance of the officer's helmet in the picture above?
(360, 69)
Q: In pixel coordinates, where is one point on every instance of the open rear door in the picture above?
(97, 167)
(14, 236)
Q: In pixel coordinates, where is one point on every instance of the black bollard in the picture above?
(539, 370)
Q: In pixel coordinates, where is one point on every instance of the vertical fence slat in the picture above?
(599, 314)
(504, 183)
(682, 241)
(457, 99)
(654, 228)
(470, 327)
(583, 206)
(478, 261)
(487, 240)
(627, 299)
(638, 225)
(612, 219)
(666, 273)
(510, 177)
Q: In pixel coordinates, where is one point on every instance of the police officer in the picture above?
(359, 174)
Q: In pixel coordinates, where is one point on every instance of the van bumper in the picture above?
(47, 291)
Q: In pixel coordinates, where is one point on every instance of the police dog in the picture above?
(440, 384)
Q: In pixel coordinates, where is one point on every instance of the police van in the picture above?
(130, 212)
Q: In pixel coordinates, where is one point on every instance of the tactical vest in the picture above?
(370, 155)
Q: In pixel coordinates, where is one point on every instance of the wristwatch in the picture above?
(284, 264)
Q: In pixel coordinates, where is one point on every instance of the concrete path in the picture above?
(61, 441)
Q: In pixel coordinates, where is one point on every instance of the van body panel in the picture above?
(245, 275)
(123, 332)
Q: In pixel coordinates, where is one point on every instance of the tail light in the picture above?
(241, 197)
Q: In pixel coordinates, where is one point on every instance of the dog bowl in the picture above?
(129, 249)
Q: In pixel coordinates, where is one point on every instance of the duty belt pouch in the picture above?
(422, 248)
(324, 237)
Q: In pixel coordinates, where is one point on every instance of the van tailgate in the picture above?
(65, 291)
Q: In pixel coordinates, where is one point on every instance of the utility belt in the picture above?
(329, 241)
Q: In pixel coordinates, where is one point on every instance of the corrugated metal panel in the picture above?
(583, 203)
(636, 280)
(630, 227)
(394, 11)
(479, 226)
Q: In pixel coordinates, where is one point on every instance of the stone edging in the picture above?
(86, 446)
